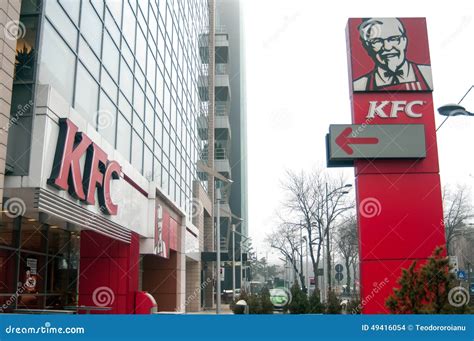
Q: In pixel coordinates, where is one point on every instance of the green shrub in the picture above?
(333, 305)
(254, 304)
(354, 306)
(266, 305)
(299, 302)
(315, 304)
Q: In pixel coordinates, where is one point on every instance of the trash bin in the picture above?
(145, 303)
(241, 307)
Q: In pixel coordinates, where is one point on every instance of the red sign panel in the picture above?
(399, 207)
(389, 54)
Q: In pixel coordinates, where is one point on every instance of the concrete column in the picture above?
(193, 286)
(9, 19)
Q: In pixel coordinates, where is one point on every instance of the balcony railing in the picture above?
(219, 154)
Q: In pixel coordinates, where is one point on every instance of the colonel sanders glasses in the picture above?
(378, 43)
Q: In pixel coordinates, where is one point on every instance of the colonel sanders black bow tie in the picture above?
(394, 75)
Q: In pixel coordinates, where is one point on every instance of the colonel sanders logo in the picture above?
(386, 42)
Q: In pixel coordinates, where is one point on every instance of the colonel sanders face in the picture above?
(385, 41)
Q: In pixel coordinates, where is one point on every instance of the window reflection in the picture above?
(38, 265)
(26, 51)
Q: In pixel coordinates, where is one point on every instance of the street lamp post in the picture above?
(454, 109)
(218, 251)
(328, 249)
(307, 266)
(233, 262)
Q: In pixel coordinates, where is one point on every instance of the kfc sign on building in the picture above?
(98, 171)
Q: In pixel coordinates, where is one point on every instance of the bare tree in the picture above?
(347, 244)
(287, 241)
(457, 210)
(313, 203)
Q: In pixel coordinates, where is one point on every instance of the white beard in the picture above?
(393, 63)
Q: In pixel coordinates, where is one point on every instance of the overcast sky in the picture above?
(297, 84)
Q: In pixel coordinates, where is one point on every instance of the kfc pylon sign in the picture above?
(392, 141)
(98, 172)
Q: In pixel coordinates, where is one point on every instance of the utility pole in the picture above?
(233, 262)
(328, 250)
(218, 248)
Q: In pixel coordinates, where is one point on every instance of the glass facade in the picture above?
(39, 265)
(131, 68)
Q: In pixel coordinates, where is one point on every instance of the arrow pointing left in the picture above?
(343, 140)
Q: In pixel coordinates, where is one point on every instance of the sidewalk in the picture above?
(225, 310)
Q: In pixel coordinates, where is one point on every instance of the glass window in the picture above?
(109, 85)
(139, 101)
(8, 232)
(60, 20)
(115, 8)
(89, 58)
(110, 56)
(127, 54)
(57, 63)
(87, 94)
(149, 116)
(124, 130)
(107, 118)
(72, 8)
(126, 80)
(125, 107)
(137, 151)
(33, 236)
(128, 29)
(8, 282)
(138, 124)
(112, 28)
(157, 170)
(26, 50)
(91, 26)
(148, 165)
(58, 242)
(140, 52)
(30, 6)
(98, 5)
